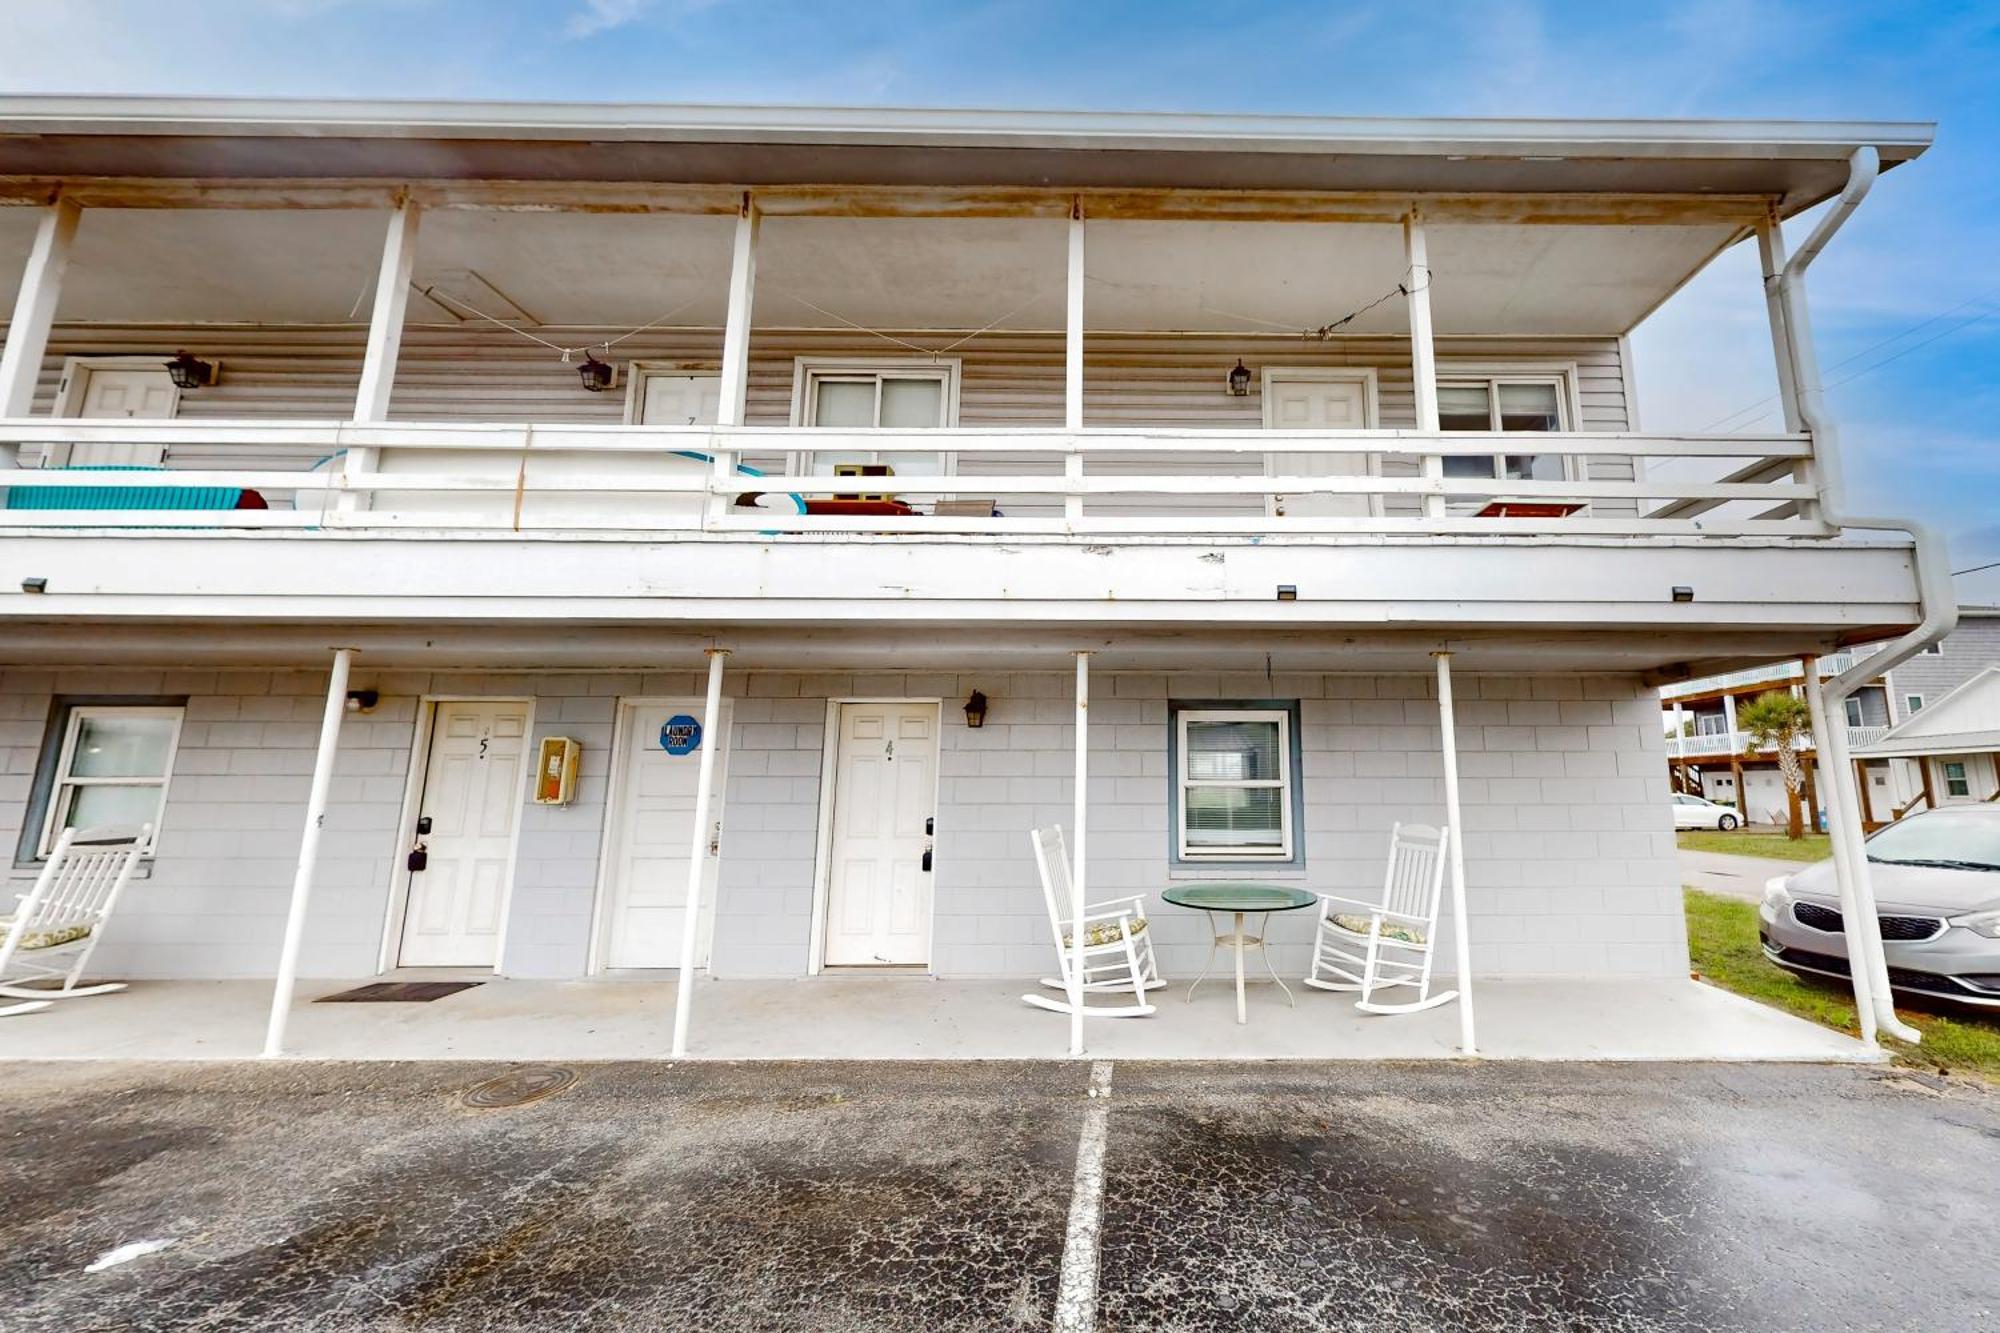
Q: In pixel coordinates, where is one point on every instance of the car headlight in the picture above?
(1776, 898)
(1979, 923)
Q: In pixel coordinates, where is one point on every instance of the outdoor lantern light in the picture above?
(38, 584)
(1239, 380)
(596, 374)
(1683, 593)
(363, 701)
(190, 372)
(1288, 592)
(975, 710)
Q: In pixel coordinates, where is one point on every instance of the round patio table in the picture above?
(1239, 898)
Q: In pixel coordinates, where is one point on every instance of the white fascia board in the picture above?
(1535, 137)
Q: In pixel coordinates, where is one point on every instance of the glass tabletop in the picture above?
(1238, 896)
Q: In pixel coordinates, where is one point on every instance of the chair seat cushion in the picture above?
(1105, 932)
(1401, 931)
(49, 937)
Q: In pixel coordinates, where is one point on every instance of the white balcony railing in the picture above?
(1772, 673)
(512, 478)
(1723, 744)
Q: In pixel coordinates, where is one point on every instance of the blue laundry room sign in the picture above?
(680, 734)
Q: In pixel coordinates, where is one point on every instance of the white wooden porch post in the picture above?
(35, 313)
(704, 785)
(302, 878)
(1078, 896)
(1423, 353)
(1462, 939)
(736, 328)
(1771, 256)
(385, 339)
(1073, 358)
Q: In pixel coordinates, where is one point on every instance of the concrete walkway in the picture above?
(914, 1018)
(981, 1198)
(1733, 876)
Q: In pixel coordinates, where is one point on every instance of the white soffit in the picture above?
(215, 266)
(624, 270)
(569, 269)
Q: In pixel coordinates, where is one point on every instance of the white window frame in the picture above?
(1913, 704)
(809, 371)
(1964, 778)
(1856, 715)
(1492, 374)
(62, 785)
(1287, 817)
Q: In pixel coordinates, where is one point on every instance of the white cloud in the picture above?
(603, 15)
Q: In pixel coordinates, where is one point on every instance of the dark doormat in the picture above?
(417, 991)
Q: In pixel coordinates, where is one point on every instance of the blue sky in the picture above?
(1908, 297)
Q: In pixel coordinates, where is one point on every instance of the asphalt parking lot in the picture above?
(939, 1197)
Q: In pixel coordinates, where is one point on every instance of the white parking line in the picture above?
(1076, 1296)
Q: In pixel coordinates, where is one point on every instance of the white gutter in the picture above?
(1934, 598)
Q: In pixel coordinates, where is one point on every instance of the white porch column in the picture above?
(35, 313)
(1462, 937)
(1729, 725)
(1078, 896)
(385, 340)
(1423, 353)
(736, 328)
(302, 878)
(704, 786)
(1073, 356)
(1843, 812)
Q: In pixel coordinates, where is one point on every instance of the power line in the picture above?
(1869, 351)
(1991, 564)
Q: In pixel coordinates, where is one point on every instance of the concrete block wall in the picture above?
(1569, 850)
(1569, 855)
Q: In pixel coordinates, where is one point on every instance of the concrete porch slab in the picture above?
(899, 1018)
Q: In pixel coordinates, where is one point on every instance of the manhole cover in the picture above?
(518, 1087)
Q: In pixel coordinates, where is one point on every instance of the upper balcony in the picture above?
(1264, 371)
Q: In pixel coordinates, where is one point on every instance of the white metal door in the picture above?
(116, 393)
(472, 798)
(878, 905)
(651, 829)
(1318, 404)
(679, 400)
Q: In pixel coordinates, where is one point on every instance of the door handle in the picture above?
(927, 860)
(930, 825)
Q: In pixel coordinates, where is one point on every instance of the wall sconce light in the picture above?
(597, 375)
(1288, 592)
(363, 701)
(975, 710)
(1239, 380)
(188, 371)
(1683, 593)
(34, 585)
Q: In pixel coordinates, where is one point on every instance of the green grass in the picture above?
(1722, 945)
(1756, 842)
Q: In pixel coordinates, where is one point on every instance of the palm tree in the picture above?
(1781, 721)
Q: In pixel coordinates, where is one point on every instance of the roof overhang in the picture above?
(1796, 163)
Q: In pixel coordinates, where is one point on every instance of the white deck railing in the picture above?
(1721, 744)
(1095, 482)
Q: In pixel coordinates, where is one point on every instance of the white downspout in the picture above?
(1934, 593)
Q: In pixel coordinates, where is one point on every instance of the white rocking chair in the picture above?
(1117, 948)
(1386, 944)
(62, 917)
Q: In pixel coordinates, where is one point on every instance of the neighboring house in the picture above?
(533, 411)
(1709, 755)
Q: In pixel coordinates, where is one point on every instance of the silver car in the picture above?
(1937, 893)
